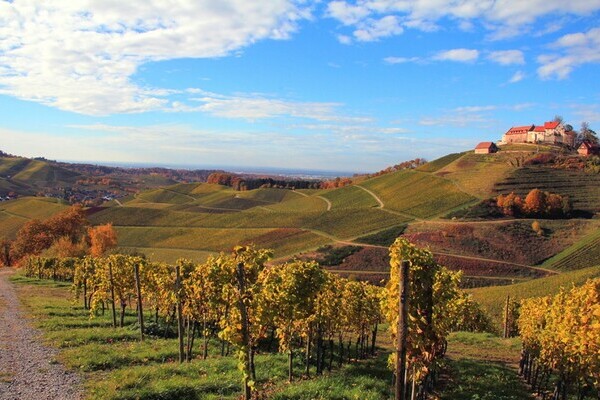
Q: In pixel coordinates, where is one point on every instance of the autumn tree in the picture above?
(36, 236)
(535, 202)
(102, 239)
(5, 256)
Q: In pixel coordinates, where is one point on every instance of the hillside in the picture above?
(195, 220)
(493, 298)
(15, 213)
(25, 176)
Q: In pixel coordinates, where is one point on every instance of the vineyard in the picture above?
(237, 305)
(561, 342)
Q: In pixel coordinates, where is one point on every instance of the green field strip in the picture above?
(33, 207)
(283, 241)
(169, 254)
(349, 197)
(417, 193)
(439, 163)
(165, 196)
(302, 204)
(584, 253)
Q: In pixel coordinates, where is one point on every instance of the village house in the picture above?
(486, 148)
(588, 149)
(552, 132)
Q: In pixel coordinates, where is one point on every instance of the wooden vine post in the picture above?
(506, 318)
(241, 277)
(180, 329)
(138, 290)
(112, 294)
(400, 389)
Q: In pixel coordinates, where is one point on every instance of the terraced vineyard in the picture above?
(585, 253)
(583, 189)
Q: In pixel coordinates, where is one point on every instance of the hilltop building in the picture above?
(486, 148)
(552, 132)
(588, 149)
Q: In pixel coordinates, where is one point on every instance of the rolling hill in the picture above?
(195, 220)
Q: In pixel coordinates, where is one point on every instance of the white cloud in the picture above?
(400, 60)
(502, 18)
(572, 51)
(507, 57)
(587, 112)
(517, 77)
(372, 30)
(458, 55)
(474, 117)
(80, 55)
(256, 106)
(343, 39)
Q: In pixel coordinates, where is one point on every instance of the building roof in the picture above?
(484, 145)
(517, 130)
(589, 146)
(539, 128)
(551, 124)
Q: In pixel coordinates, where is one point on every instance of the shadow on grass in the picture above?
(483, 380)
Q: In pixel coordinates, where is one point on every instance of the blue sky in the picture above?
(334, 85)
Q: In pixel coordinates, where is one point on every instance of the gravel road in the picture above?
(28, 370)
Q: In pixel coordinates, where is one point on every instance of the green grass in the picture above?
(584, 253)
(440, 163)
(482, 366)
(417, 193)
(349, 197)
(116, 365)
(493, 298)
(165, 196)
(302, 204)
(270, 195)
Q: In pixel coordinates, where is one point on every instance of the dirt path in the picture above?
(326, 200)
(377, 199)
(28, 370)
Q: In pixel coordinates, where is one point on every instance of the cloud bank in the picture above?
(80, 55)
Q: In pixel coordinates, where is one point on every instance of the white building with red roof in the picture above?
(552, 132)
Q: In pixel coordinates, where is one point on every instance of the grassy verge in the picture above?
(481, 366)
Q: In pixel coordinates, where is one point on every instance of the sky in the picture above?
(344, 85)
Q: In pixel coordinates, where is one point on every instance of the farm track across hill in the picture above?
(28, 370)
(381, 205)
(326, 201)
